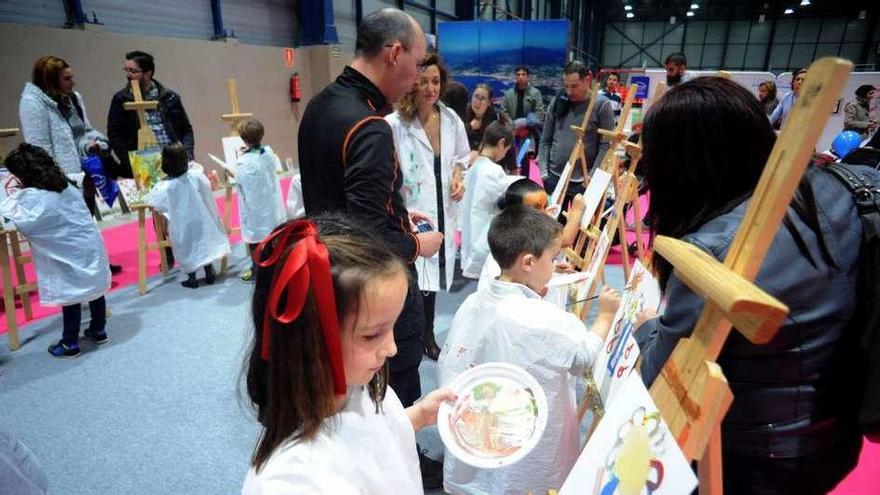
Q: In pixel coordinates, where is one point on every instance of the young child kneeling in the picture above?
(509, 322)
(68, 249)
(185, 199)
(260, 204)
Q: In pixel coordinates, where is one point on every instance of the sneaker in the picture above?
(97, 336)
(210, 275)
(247, 276)
(190, 283)
(62, 350)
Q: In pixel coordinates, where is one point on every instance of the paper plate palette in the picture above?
(498, 418)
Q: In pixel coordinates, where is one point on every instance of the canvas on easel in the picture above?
(233, 148)
(148, 160)
(619, 353)
(581, 253)
(631, 452)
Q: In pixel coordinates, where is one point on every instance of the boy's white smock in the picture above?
(260, 204)
(510, 323)
(295, 205)
(356, 451)
(416, 158)
(197, 234)
(484, 184)
(68, 249)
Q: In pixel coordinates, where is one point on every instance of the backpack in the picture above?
(866, 322)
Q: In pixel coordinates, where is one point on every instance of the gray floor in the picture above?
(158, 409)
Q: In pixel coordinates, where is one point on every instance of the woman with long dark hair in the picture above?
(792, 426)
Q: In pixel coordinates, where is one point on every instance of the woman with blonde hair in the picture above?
(432, 146)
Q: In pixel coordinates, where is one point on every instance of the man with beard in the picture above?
(676, 69)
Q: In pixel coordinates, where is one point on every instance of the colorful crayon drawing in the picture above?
(631, 452)
(633, 463)
(146, 166)
(620, 352)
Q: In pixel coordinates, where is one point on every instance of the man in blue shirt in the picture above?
(780, 114)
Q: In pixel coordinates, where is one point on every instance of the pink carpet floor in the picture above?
(121, 243)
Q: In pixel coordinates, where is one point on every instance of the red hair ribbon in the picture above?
(308, 263)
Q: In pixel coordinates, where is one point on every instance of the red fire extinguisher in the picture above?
(295, 91)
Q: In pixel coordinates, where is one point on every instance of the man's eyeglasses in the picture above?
(131, 71)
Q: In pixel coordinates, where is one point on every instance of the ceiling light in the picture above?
(804, 3)
(695, 6)
(690, 13)
(630, 15)
(788, 11)
(627, 7)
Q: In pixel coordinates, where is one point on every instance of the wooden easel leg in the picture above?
(640, 243)
(123, 204)
(227, 223)
(160, 226)
(710, 467)
(21, 276)
(142, 251)
(624, 249)
(8, 294)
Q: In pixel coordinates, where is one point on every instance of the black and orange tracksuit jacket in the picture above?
(348, 164)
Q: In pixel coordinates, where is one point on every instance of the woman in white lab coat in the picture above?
(185, 199)
(260, 205)
(433, 150)
(68, 249)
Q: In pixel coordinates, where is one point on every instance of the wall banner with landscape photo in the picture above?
(489, 52)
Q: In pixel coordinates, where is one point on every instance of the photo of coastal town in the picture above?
(490, 52)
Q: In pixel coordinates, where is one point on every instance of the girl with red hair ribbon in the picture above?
(326, 297)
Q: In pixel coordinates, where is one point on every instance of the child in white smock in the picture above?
(67, 247)
(484, 185)
(184, 198)
(317, 373)
(510, 322)
(260, 204)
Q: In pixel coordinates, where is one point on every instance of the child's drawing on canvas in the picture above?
(620, 352)
(631, 452)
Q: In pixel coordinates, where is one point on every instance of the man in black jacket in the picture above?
(168, 122)
(348, 163)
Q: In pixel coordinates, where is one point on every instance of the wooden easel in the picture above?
(8, 132)
(10, 240)
(234, 118)
(10, 249)
(147, 139)
(691, 391)
(635, 153)
(577, 157)
(587, 240)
